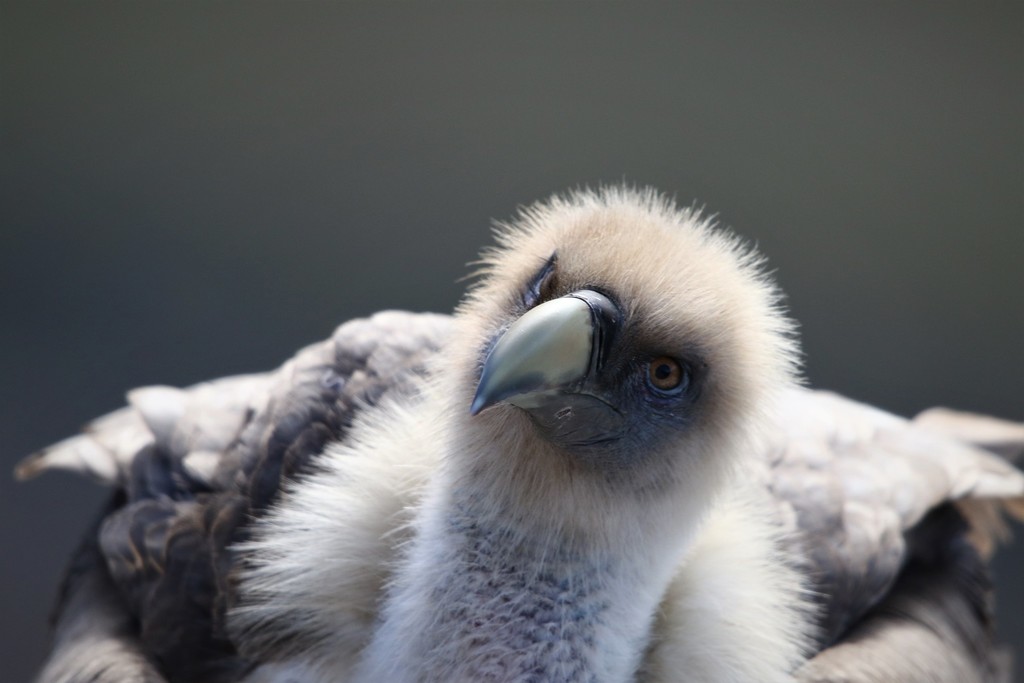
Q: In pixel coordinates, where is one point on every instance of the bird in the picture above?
(605, 466)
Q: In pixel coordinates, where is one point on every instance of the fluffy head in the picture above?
(687, 290)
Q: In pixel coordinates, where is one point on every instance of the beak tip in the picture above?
(479, 403)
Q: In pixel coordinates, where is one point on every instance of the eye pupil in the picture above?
(663, 371)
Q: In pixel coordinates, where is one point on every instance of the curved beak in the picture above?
(545, 363)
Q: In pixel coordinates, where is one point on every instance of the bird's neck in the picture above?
(493, 594)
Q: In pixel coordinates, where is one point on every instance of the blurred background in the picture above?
(191, 190)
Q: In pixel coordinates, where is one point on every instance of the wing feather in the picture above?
(934, 626)
(95, 637)
(193, 467)
(858, 484)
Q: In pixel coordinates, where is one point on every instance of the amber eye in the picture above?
(666, 374)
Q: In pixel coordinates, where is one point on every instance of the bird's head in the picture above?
(621, 339)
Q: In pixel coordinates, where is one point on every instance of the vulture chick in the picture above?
(601, 469)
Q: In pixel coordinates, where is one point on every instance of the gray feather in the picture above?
(856, 481)
(935, 624)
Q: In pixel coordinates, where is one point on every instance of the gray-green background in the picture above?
(193, 190)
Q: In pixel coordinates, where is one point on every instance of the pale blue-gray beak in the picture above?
(545, 362)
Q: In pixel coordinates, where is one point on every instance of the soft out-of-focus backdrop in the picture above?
(193, 190)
